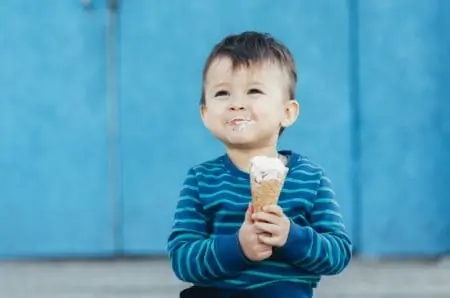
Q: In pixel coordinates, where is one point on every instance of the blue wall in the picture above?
(99, 117)
(163, 48)
(405, 126)
(53, 168)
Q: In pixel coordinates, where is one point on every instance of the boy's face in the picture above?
(247, 106)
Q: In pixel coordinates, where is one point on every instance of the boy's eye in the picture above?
(222, 93)
(254, 91)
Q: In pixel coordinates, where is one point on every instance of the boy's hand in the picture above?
(275, 225)
(252, 247)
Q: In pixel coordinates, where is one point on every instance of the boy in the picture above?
(217, 242)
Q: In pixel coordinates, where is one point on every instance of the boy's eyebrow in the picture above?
(256, 83)
(220, 84)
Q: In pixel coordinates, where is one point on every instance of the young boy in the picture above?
(217, 243)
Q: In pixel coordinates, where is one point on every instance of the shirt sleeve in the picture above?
(324, 247)
(195, 256)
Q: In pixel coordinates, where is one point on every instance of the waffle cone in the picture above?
(265, 192)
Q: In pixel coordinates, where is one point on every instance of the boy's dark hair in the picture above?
(251, 47)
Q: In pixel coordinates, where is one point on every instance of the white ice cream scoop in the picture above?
(266, 168)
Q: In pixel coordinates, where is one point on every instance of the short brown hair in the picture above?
(251, 47)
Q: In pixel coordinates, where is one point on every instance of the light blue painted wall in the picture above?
(405, 127)
(375, 114)
(163, 48)
(53, 142)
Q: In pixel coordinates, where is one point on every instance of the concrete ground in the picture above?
(153, 278)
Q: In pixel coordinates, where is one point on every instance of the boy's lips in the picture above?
(240, 121)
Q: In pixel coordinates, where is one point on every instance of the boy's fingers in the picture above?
(267, 239)
(266, 227)
(274, 209)
(249, 213)
(267, 217)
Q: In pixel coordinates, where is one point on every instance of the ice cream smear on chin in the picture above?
(264, 168)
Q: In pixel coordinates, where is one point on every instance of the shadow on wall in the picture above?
(443, 112)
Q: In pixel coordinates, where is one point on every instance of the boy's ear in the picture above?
(291, 112)
(204, 115)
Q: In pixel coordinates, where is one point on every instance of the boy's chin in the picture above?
(240, 141)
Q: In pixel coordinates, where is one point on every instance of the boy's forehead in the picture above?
(223, 68)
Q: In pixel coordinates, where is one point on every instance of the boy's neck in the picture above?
(241, 158)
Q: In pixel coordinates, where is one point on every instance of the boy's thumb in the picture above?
(249, 213)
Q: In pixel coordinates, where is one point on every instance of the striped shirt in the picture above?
(203, 245)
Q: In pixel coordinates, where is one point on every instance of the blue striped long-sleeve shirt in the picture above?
(203, 245)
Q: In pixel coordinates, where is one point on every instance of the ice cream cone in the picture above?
(267, 179)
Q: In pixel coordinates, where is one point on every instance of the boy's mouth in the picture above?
(240, 123)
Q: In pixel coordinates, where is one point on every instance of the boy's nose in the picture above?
(237, 105)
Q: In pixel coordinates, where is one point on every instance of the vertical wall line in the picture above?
(112, 97)
(355, 114)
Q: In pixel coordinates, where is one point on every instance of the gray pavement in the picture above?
(153, 278)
